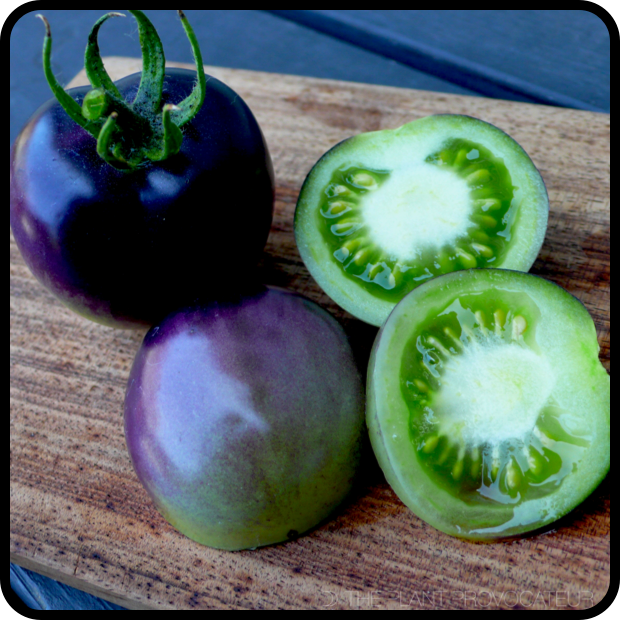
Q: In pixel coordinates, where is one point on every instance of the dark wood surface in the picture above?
(79, 514)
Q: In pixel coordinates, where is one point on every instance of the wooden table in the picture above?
(79, 514)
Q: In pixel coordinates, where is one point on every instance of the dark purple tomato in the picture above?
(244, 421)
(126, 248)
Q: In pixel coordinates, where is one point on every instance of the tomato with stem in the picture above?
(129, 199)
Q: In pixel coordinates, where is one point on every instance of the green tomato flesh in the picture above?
(383, 212)
(488, 407)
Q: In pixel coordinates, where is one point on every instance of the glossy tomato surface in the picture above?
(126, 248)
(244, 420)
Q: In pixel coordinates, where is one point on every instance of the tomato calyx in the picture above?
(130, 134)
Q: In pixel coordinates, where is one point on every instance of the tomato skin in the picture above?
(126, 248)
(244, 419)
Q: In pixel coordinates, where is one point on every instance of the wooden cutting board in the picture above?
(79, 514)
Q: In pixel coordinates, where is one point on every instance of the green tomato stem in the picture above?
(132, 134)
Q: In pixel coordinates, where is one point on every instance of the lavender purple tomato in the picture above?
(244, 420)
(129, 199)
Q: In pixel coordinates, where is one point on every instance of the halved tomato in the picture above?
(383, 212)
(488, 407)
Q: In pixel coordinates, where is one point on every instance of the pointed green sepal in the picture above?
(70, 105)
(188, 108)
(95, 71)
(151, 87)
(172, 137)
(110, 148)
(106, 142)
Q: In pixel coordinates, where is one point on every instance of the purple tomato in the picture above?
(244, 420)
(126, 247)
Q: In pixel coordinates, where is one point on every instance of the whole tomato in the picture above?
(130, 199)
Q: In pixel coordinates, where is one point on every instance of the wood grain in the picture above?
(79, 514)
